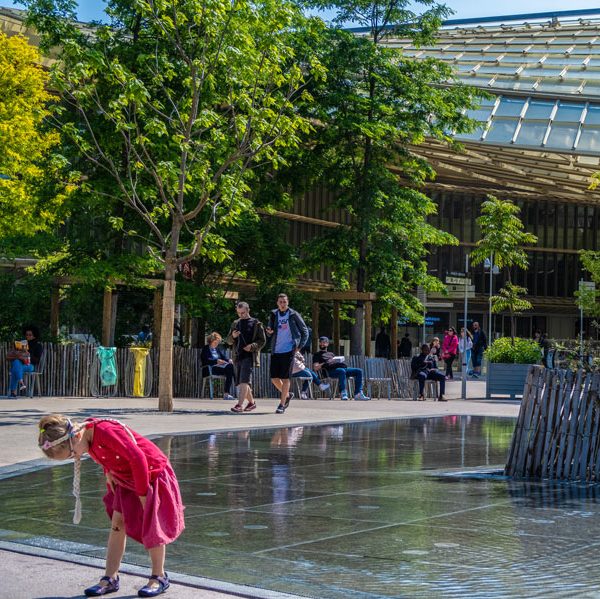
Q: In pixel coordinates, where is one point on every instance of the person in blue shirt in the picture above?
(288, 333)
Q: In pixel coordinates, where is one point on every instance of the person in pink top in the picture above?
(142, 499)
(449, 350)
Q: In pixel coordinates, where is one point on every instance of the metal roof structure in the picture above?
(540, 132)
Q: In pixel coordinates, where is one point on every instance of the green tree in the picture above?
(176, 103)
(31, 189)
(587, 298)
(375, 105)
(502, 240)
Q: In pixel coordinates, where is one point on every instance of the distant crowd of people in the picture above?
(470, 344)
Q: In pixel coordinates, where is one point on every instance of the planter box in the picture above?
(506, 379)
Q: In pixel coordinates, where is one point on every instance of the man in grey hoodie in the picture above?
(288, 333)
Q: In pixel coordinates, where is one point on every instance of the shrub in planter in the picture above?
(523, 351)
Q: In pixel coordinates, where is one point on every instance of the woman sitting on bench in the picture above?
(424, 367)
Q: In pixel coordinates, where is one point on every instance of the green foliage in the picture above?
(588, 298)
(31, 190)
(25, 300)
(514, 351)
(502, 235)
(509, 299)
(175, 103)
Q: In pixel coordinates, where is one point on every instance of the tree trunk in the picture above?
(165, 363)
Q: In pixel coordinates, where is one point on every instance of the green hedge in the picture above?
(524, 351)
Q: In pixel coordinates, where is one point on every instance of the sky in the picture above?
(464, 9)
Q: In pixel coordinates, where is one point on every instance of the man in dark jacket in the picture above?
(288, 333)
(247, 338)
(423, 368)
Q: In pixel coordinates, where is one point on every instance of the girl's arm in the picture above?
(119, 442)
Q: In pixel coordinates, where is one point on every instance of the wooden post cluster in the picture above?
(557, 432)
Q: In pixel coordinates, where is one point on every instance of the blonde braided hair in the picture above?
(55, 434)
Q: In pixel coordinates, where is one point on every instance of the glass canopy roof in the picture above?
(539, 134)
(536, 122)
(561, 58)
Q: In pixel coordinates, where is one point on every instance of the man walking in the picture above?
(479, 346)
(334, 367)
(288, 333)
(247, 338)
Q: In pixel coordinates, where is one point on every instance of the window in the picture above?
(501, 131)
(593, 115)
(510, 107)
(539, 109)
(532, 133)
(569, 112)
(482, 113)
(474, 135)
(589, 140)
(562, 136)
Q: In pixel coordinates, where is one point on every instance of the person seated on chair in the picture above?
(334, 367)
(213, 355)
(424, 367)
(301, 370)
(24, 359)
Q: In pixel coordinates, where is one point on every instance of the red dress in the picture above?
(139, 468)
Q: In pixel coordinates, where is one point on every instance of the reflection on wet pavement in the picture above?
(386, 509)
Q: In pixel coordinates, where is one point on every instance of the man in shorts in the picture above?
(247, 338)
(288, 333)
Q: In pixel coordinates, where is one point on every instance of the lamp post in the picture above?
(488, 264)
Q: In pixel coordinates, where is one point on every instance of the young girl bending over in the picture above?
(142, 499)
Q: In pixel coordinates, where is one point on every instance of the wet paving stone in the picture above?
(404, 508)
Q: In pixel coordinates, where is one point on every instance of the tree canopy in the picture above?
(32, 190)
(171, 106)
(502, 240)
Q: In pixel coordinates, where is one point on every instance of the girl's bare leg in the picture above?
(116, 545)
(157, 557)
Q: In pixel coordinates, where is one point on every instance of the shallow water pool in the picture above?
(405, 508)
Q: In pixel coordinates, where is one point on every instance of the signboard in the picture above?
(587, 285)
(458, 281)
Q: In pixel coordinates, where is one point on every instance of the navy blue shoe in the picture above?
(103, 589)
(163, 585)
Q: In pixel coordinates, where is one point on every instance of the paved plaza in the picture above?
(44, 574)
